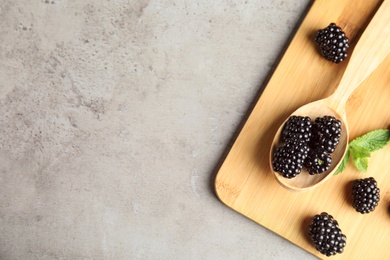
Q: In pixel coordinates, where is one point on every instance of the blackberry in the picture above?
(365, 195)
(326, 132)
(326, 234)
(317, 161)
(333, 43)
(297, 126)
(288, 159)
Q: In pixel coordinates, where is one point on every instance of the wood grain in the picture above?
(245, 182)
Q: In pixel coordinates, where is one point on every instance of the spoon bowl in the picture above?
(304, 181)
(368, 54)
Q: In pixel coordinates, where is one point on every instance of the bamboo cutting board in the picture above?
(245, 182)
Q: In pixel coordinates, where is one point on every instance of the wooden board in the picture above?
(245, 182)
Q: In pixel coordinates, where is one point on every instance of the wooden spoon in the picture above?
(371, 49)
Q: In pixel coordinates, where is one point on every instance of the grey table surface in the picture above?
(115, 116)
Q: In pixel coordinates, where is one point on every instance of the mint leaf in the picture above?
(360, 157)
(361, 163)
(361, 147)
(359, 151)
(373, 140)
(344, 162)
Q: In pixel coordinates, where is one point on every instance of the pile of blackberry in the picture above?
(288, 159)
(365, 195)
(333, 43)
(326, 235)
(307, 144)
(318, 161)
(326, 133)
(297, 127)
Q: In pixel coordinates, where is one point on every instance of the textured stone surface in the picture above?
(114, 118)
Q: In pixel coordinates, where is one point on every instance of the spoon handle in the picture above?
(371, 49)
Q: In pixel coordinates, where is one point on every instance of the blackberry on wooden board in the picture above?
(365, 195)
(326, 132)
(326, 235)
(333, 43)
(297, 126)
(288, 159)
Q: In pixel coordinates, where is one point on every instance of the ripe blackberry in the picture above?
(326, 234)
(326, 132)
(333, 43)
(317, 161)
(288, 159)
(298, 126)
(365, 195)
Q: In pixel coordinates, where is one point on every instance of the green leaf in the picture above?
(361, 163)
(344, 162)
(373, 140)
(359, 151)
(360, 157)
